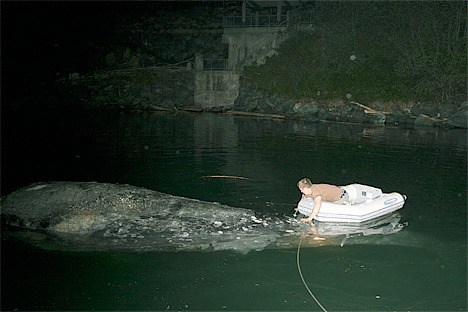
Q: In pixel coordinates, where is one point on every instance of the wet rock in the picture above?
(375, 119)
(430, 109)
(448, 111)
(427, 121)
(306, 109)
(460, 118)
(399, 117)
(352, 113)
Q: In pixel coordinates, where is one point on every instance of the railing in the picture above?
(215, 64)
(255, 21)
(295, 19)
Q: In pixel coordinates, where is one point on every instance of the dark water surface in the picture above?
(173, 153)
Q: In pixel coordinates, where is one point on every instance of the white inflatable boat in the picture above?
(365, 203)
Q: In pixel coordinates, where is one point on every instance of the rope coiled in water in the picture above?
(302, 277)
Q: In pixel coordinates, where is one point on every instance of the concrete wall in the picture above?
(220, 89)
(215, 89)
(248, 45)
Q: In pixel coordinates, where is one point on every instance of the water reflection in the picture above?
(214, 133)
(453, 138)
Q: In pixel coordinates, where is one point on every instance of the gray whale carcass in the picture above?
(103, 216)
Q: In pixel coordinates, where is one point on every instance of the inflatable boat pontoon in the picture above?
(365, 203)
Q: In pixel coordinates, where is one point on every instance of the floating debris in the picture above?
(255, 220)
(224, 177)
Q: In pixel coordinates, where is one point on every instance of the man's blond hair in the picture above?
(304, 183)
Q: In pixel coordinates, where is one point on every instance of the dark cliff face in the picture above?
(47, 41)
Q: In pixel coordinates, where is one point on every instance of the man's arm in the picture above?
(317, 205)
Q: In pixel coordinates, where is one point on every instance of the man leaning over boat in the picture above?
(321, 192)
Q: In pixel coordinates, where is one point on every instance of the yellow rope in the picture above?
(302, 277)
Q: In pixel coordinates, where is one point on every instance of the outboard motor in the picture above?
(359, 193)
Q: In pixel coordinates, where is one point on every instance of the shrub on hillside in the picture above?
(374, 51)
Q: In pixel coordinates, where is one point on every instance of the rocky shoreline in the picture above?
(172, 90)
(408, 114)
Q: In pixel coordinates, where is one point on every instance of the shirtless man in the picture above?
(320, 192)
